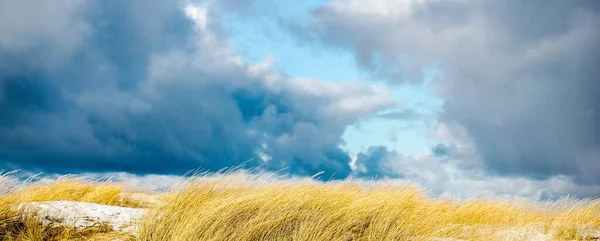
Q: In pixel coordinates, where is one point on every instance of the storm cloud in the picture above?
(521, 77)
(153, 87)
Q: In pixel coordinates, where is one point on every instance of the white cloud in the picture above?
(392, 8)
(198, 14)
(28, 24)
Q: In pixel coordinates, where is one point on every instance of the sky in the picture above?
(462, 97)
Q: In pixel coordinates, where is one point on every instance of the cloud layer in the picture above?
(520, 77)
(153, 87)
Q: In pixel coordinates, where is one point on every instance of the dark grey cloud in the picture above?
(377, 162)
(141, 87)
(520, 77)
(442, 150)
(408, 115)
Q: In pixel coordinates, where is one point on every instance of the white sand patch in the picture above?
(82, 215)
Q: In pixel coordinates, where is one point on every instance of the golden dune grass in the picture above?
(222, 210)
(227, 207)
(14, 225)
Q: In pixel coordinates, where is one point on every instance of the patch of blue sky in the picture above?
(420, 97)
(261, 35)
(405, 136)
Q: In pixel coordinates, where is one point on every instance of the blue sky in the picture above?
(259, 35)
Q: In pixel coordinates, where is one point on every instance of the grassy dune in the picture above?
(15, 225)
(226, 207)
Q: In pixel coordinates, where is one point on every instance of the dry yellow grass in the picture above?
(218, 209)
(227, 207)
(14, 225)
